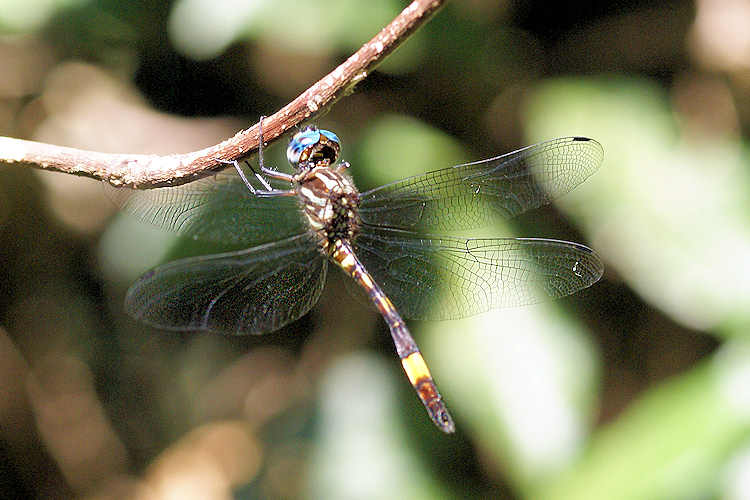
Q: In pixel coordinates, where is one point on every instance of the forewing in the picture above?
(471, 195)
(219, 209)
(251, 291)
(450, 278)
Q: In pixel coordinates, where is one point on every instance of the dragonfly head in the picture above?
(312, 147)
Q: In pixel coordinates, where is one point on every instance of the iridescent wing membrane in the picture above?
(428, 277)
(219, 209)
(250, 291)
(257, 290)
(470, 195)
(441, 278)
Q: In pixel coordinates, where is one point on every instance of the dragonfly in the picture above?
(290, 226)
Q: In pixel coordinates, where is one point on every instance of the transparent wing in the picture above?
(251, 291)
(448, 278)
(470, 195)
(219, 209)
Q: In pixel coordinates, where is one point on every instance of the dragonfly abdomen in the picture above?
(419, 375)
(411, 359)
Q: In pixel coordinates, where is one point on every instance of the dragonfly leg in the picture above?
(262, 193)
(275, 192)
(260, 143)
(268, 189)
(259, 177)
(275, 174)
(236, 165)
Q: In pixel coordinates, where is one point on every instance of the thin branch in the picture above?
(148, 171)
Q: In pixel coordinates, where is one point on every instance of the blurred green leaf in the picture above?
(394, 147)
(360, 441)
(671, 443)
(202, 29)
(670, 215)
(31, 15)
(522, 381)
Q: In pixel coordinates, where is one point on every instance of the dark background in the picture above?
(638, 387)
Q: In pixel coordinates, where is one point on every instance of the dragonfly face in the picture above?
(313, 147)
(293, 225)
(327, 194)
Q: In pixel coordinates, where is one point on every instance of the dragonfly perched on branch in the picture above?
(294, 225)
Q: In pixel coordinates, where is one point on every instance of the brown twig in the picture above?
(147, 171)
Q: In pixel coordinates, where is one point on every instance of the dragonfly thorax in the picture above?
(330, 201)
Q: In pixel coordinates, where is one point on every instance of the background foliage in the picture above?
(636, 388)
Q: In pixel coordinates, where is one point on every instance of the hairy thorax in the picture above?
(330, 202)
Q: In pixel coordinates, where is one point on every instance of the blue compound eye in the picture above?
(331, 136)
(301, 142)
(313, 147)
